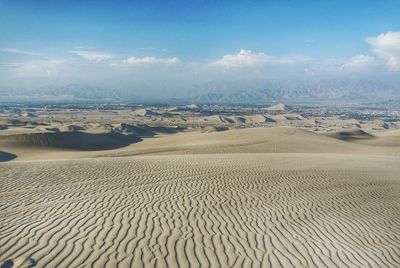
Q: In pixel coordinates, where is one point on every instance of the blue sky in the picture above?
(187, 38)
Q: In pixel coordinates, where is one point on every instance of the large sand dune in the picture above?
(260, 197)
(71, 140)
(257, 140)
(62, 145)
(226, 210)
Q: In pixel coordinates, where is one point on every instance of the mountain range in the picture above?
(323, 91)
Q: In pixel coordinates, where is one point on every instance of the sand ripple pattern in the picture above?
(239, 210)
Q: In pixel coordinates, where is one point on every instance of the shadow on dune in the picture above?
(74, 140)
(28, 262)
(7, 264)
(4, 156)
(351, 135)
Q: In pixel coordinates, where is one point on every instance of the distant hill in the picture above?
(222, 92)
(336, 91)
(145, 112)
(280, 107)
(68, 93)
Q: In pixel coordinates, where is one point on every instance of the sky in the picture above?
(153, 46)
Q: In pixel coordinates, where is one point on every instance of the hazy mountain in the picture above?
(240, 92)
(334, 91)
(68, 93)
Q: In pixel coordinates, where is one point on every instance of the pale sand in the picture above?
(251, 140)
(219, 210)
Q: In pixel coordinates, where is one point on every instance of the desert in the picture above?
(199, 134)
(152, 193)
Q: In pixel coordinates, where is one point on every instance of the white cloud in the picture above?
(359, 61)
(147, 60)
(93, 55)
(120, 61)
(18, 51)
(249, 58)
(387, 47)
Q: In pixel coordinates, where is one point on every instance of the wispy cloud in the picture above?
(115, 60)
(18, 51)
(93, 55)
(249, 58)
(387, 47)
(147, 60)
(359, 62)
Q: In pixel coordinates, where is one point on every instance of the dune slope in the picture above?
(70, 140)
(62, 145)
(125, 142)
(254, 140)
(236, 210)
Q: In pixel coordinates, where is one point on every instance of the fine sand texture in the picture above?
(203, 210)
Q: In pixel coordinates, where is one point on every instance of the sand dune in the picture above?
(388, 139)
(236, 210)
(145, 112)
(204, 140)
(253, 140)
(280, 107)
(206, 129)
(145, 130)
(258, 118)
(70, 140)
(389, 133)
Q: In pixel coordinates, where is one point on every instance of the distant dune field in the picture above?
(219, 210)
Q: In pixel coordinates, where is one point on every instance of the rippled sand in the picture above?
(228, 210)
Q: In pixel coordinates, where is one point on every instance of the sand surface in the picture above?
(255, 197)
(219, 210)
(252, 140)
